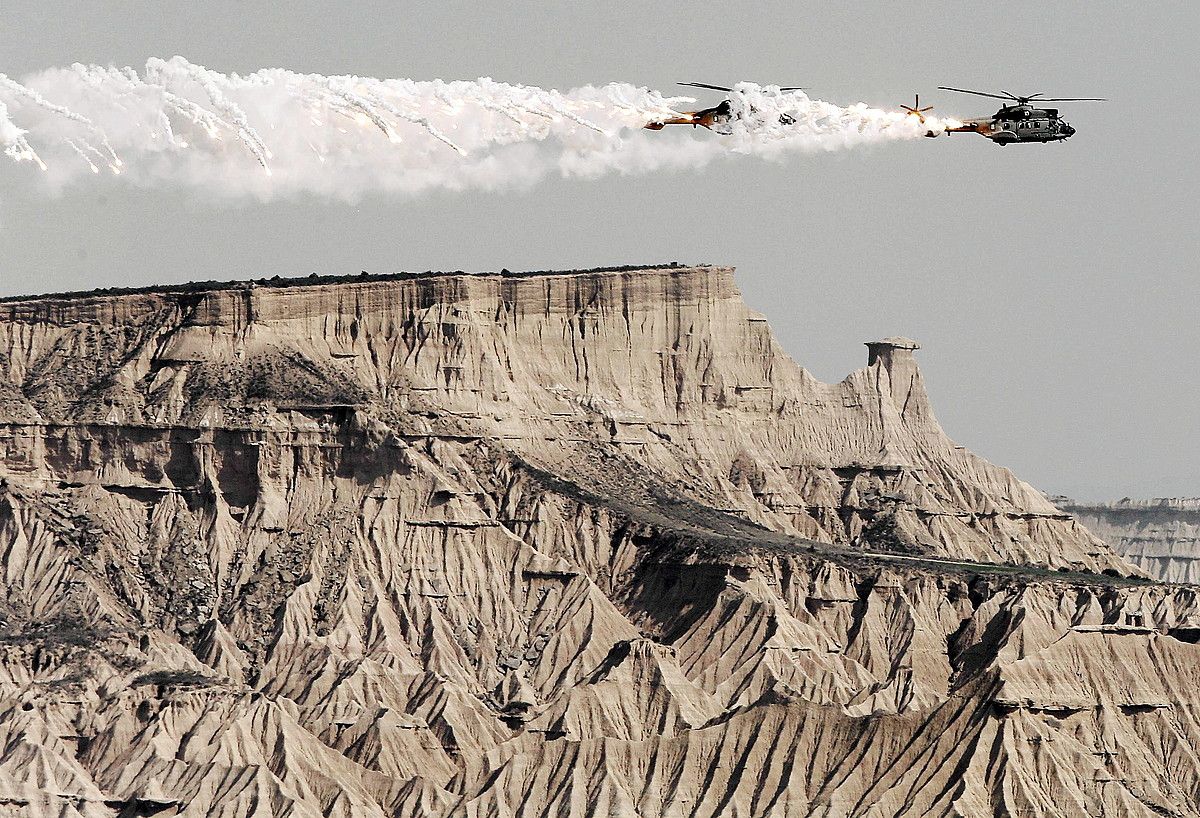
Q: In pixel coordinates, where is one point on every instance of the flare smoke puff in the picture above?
(276, 132)
(12, 138)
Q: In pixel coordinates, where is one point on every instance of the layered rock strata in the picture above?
(1161, 536)
(554, 544)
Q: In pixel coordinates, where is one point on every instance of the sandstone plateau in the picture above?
(561, 544)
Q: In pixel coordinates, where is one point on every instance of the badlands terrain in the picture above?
(553, 544)
(1162, 536)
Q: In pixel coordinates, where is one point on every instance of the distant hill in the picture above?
(1161, 535)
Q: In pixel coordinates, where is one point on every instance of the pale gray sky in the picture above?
(1054, 287)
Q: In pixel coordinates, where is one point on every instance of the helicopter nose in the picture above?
(1068, 130)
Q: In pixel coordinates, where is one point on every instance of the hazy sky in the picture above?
(1054, 287)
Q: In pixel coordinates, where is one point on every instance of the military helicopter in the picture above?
(716, 118)
(1019, 120)
(916, 109)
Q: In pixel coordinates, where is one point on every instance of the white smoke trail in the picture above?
(22, 92)
(277, 133)
(14, 142)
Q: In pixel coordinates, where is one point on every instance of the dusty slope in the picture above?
(568, 544)
(1162, 536)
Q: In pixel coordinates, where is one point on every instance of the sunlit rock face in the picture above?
(557, 544)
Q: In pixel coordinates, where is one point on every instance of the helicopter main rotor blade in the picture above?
(968, 91)
(705, 85)
(723, 88)
(1073, 99)
(1022, 99)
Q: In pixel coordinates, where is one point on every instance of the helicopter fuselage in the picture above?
(718, 118)
(1019, 123)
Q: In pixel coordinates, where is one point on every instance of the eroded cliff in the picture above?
(555, 544)
(1161, 536)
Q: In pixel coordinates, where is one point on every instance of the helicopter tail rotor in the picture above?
(916, 109)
